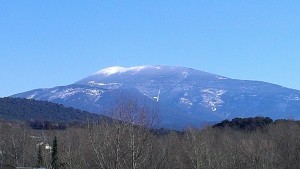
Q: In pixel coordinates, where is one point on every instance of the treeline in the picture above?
(46, 125)
(248, 124)
(115, 145)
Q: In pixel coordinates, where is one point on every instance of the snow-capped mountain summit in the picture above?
(117, 69)
(185, 96)
(118, 72)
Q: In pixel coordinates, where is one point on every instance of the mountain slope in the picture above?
(184, 97)
(28, 109)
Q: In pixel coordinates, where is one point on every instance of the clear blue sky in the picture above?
(47, 43)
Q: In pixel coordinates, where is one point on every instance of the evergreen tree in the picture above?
(54, 162)
(40, 162)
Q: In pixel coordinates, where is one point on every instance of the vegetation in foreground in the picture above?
(112, 145)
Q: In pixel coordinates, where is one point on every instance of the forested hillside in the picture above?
(31, 110)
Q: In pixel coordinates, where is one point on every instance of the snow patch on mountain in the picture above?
(185, 101)
(31, 96)
(93, 92)
(293, 98)
(221, 77)
(63, 94)
(117, 69)
(184, 74)
(97, 98)
(212, 98)
(106, 85)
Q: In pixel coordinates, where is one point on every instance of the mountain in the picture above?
(183, 96)
(30, 110)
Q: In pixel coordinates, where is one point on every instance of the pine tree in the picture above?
(54, 162)
(40, 161)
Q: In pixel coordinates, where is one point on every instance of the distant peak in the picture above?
(135, 69)
(118, 69)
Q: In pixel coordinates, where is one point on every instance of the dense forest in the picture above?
(31, 110)
(254, 143)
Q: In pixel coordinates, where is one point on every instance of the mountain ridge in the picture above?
(185, 97)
